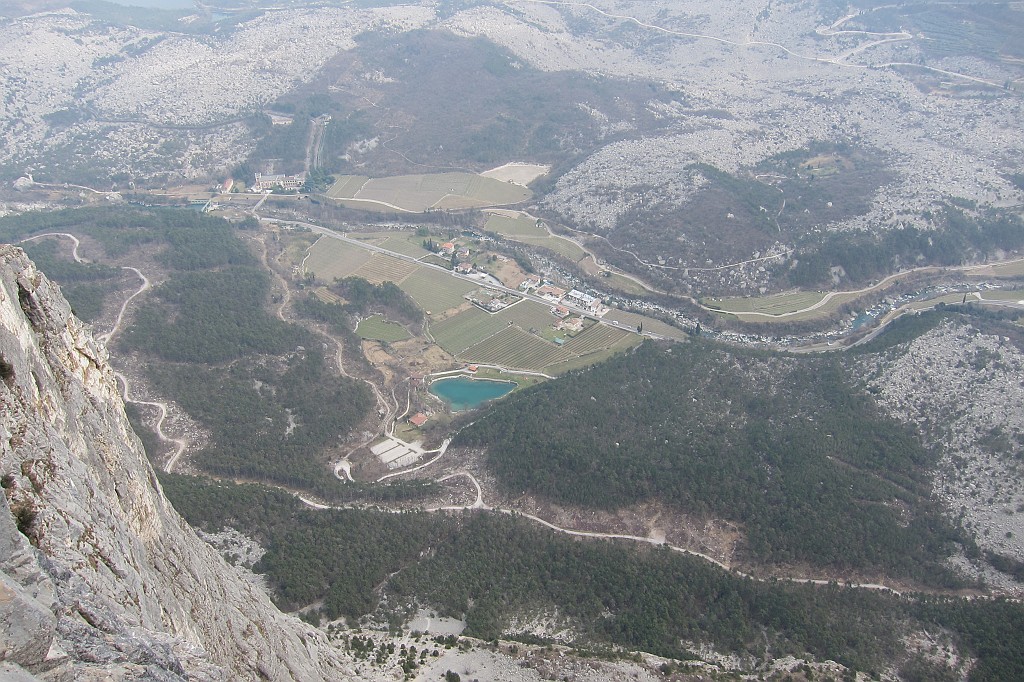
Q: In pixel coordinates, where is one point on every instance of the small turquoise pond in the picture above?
(463, 393)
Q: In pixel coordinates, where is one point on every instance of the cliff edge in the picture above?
(99, 577)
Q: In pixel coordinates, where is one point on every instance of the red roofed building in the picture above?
(418, 419)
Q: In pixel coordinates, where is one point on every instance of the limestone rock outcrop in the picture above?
(99, 577)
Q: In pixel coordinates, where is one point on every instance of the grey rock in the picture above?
(88, 537)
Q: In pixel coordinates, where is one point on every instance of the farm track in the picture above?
(478, 504)
(180, 444)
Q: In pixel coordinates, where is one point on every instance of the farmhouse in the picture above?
(551, 292)
(447, 249)
(418, 419)
(529, 283)
(265, 183)
(571, 324)
(464, 268)
(582, 300)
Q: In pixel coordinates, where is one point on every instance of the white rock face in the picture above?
(964, 391)
(99, 576)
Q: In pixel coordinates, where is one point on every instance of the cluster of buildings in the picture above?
(268, 183)
(573, 297)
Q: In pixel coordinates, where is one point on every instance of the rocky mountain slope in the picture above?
(99, 577)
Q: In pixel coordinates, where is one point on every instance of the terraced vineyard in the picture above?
(466, 329)
(512, 347)
(380, 269)
(435, 291)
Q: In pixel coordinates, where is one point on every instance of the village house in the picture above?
(551, 292)
(447, 249)
(582, 300)
(464, 268)
(560, 311)
(571, 324)
(529, 283)
(418, 419)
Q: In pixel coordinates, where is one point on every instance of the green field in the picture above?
(418, 193)
(1010, 269)
(525, 230)
(1001, 295)
(435, 291)
(407, 245)
(579, 362)
(563, 247)
(625, 284)
(376, 328)
(778, 304)
(650, 324)
(521, 226)
(347, 186)
(331, 259)
(528, 315)
(513, 347)
(381, 268)
(466, 329)
(594, 338)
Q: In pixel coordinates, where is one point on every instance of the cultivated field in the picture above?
(347, 186)
(331, 259)
(579, 362)
(407, 245)
(521, 228)
(1010, 269)
(466, 329)
(376, 328)
(513, 224)
(519, 173)
(528, 315)
(631, 320)
(563, 247)
(381, 268)
(418, 193)
(595, 338)
(435, 291)
(513, 347)
(1001, 295)
(772, 305)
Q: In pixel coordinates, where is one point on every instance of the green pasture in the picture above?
(376, 328)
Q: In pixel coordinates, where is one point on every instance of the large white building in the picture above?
(582, 300)
(265, 183)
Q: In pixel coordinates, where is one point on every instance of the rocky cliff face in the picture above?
(99, 577)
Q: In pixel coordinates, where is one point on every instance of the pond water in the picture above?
(463, 393)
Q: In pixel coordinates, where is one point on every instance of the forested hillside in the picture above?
(787, 447)
(494, 569)
(263, 388)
